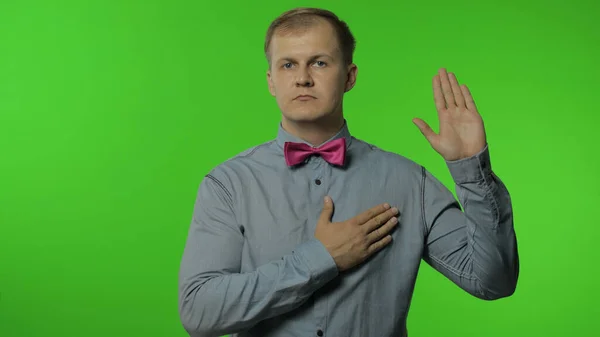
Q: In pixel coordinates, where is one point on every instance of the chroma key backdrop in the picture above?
(111, 113)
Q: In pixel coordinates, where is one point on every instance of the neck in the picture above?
(314, 132)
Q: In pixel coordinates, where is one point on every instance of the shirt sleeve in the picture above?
(476, 247)
(215, 298)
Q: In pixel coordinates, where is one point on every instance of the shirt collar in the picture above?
(284, 136)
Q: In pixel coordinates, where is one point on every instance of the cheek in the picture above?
(281, 86)
(281, 91)
(336, 87)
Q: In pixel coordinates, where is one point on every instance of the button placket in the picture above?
(321, 178)
(320, 167)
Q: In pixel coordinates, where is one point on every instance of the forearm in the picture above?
(216, 304)
(478, 248)
(491, 238)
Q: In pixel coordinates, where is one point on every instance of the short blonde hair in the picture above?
(302, 18)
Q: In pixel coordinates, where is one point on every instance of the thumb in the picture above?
(426, 131)
(327, 211)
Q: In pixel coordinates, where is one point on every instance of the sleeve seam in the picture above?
(230, 202)
(423, 218)
(485, 184)
(218, 182)
(453, 270)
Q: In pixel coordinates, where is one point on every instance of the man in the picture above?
(317, 233)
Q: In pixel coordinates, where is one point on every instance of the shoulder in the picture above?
(232, 171)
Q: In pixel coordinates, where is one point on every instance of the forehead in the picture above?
(318, 37)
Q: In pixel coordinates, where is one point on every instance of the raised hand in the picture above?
(461, 133)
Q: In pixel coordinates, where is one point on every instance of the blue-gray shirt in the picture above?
(252, 267)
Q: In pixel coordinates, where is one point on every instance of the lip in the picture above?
(304, 97)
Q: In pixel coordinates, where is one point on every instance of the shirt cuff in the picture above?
(321, 264)
(471, 169)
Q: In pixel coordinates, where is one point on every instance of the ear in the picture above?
(270, 83)
(351, 77)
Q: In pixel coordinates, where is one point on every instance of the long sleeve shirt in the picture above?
(251, 265)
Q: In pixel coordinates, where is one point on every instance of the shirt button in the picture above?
(318, 182)
(319, 333)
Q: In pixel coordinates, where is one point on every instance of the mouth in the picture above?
(304, 98)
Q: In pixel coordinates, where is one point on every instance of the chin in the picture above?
(304, 112)
(305, 115)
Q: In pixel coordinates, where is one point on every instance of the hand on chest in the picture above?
(279, 219)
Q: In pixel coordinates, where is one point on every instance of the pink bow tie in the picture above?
(334, 152)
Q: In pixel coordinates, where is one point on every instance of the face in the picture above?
(308, 76)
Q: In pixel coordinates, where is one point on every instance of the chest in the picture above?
(281, 212)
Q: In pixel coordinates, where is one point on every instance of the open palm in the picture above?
(462, 133)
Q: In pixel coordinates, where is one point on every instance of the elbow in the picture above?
(198, 330)
(190, 322)
(191, 326)
(500, 282)
(193, 315)
(195, 326)
(498, 288)
(498, 293)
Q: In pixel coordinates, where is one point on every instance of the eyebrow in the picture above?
(312, 58)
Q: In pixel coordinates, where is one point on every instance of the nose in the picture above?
(304, 79)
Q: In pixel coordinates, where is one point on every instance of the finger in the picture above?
(377, 221)
(446, 88)
(458, 95)
(438, 95)
(377, 246)
(470, 103)
(426, 130)
(382, 231)
(327, 211)
(371, 213)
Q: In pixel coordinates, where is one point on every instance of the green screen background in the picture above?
(111, 112)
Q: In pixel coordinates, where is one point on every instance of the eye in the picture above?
(320, 64)
(287, 65)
